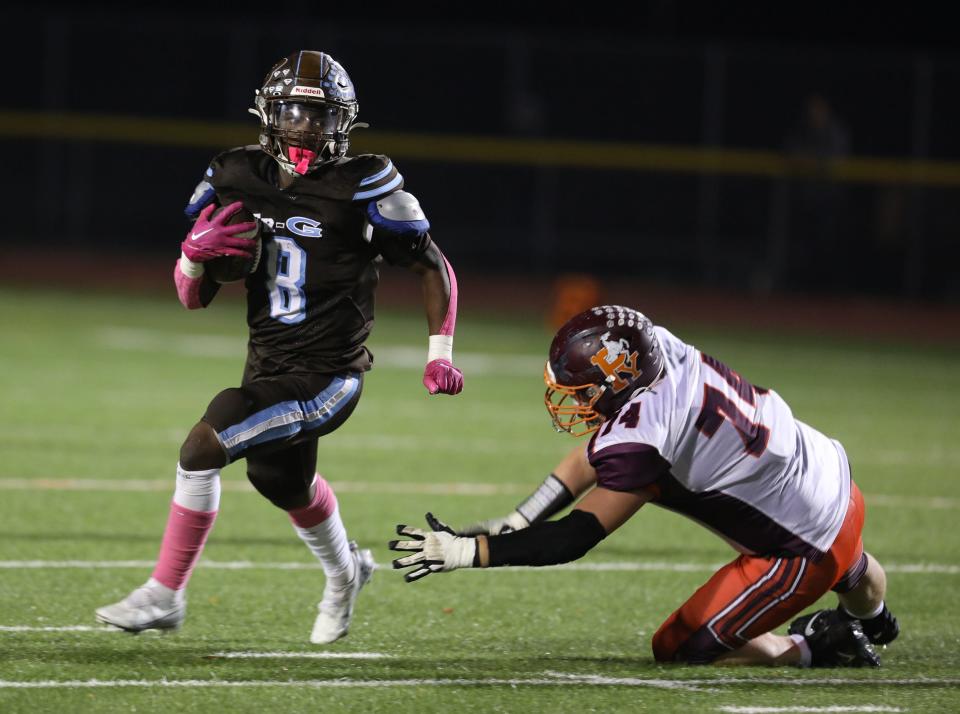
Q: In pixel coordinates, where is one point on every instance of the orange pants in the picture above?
(753, 595)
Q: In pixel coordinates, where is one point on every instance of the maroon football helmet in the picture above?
(599, 360)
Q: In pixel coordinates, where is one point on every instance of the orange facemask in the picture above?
(572, 408)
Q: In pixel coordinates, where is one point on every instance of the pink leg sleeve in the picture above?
(182, 544)
(324, 503)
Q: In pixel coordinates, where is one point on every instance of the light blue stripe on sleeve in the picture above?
(386, 188)
(379, 175)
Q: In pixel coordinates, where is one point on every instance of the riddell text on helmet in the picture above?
(306, 91)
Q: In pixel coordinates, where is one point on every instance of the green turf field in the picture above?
(97, 394)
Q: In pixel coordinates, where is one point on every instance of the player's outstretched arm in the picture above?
(398, 227)
(436, 550)
(600, 513)
(571, 478)
(439, 285)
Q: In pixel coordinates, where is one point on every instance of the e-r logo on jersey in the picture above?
(306, 227)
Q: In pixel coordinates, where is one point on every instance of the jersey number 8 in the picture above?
(286, 267)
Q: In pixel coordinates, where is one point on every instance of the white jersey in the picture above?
(730, 455)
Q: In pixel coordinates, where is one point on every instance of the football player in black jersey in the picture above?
(327, 221)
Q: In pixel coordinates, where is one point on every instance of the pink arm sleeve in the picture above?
(188, 289)
(450, 321)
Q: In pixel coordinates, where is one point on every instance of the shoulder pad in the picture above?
(397, 227)
(203, 194)
(371, 176)
(398, 213)
(230, 171)
(400, 206)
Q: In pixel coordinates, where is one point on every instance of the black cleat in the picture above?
(880, 630)
(835, 641)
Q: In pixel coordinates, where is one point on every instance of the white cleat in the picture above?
(336, 608)
(145, 609)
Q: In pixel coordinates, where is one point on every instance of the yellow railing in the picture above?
(485, 150)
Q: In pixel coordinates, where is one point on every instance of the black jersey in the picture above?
(310, 303)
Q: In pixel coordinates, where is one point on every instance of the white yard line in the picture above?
(298, 655)
(397, 357)
(348, 443)
(166, 485)
(827, 709)
(769, 681)
(628, 566)
(285, 684)
(936, 456)
(68, 564)
(912, 568)
(933, 503)
(550, 680)
(466, 488)
(326, 683)
(62, 628)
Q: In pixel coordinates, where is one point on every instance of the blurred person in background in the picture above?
(818, 252)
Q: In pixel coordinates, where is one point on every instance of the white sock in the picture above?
(867, 616)
(198, 490)
(328, 542)
(165, 595)
(806, 656)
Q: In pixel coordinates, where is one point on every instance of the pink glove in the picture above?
(440, 376)
(211, 239)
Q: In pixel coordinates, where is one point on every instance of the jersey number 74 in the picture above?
(718, 407)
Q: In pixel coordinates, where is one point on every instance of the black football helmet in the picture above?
(307, 106)
(599, 360)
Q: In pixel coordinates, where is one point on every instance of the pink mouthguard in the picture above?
(302, 157)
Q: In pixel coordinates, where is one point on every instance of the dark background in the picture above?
(673, 75)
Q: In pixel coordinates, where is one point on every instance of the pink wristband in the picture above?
(188, 289)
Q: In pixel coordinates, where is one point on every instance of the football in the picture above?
(231, 268)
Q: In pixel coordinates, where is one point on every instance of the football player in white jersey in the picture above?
(677, 428)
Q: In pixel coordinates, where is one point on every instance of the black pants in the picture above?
(275, 422)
